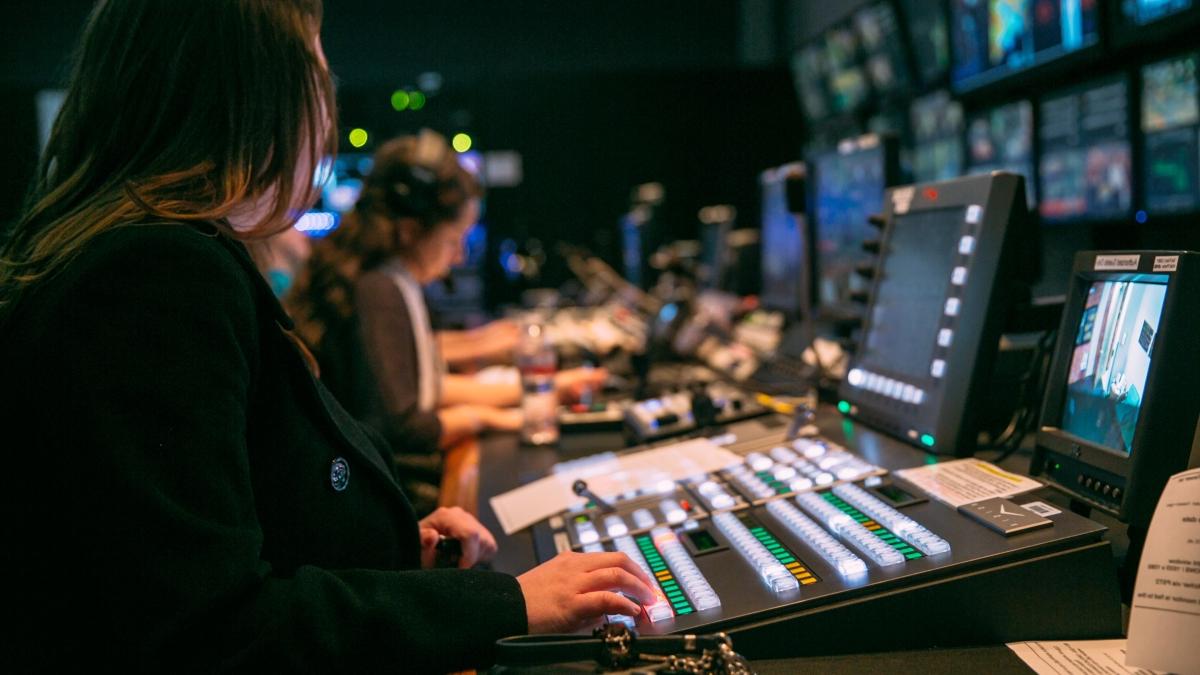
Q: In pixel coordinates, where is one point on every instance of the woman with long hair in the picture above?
(359, 302)
(187, 495)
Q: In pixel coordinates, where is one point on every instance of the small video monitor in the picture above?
(950, 265)
(1149, 21)
(1001, 139)
(1170, 124)
(1119, 414)
(929, 38)
(883, 47)
(849, 183)
(993, 40)
(848, 85)
(809, 73)
(1086, 166)
(784, 241)
(937, 129)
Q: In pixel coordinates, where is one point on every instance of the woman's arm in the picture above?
(494, 342)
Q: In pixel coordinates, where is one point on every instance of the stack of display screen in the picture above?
(1120, 412)
(1170, 119)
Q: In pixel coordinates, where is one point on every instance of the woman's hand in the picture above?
(573, 383)
(477, 543)
(501, 419)
(575, 590)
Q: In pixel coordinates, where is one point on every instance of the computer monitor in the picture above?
(784, 240)
(848, 86)
(849, 183)
(937, 128)
(1001, 139)
(716, 223)
(949, 268)
(926, 21)
(1085, 166)
(1170, 123)
(994, 39)
(1146, 21)
(883, 47)
(809, 72)
(1120, 412)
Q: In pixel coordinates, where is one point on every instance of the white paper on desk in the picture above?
(608, 477)
(1164, 622)
(964, 481)
(1076, 657)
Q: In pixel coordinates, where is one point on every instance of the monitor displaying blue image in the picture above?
(996, 38)
(1114, 344)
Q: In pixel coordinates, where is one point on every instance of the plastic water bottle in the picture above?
(539, 401)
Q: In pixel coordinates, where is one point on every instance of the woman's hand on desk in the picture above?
(575, 590)
(573, 383)
(477, 543)
(502, 419)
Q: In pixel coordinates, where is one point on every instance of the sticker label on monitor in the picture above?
(1166, 263)
(1109, 263)
(902, 199)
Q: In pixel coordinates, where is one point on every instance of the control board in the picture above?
(805, 535)
(675, 413)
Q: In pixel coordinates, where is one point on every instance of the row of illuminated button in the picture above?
(894, 389)
(841, 558)
(850, 530)
(643, 519)
(718, 498)
(777, 577)
(660, 609)
(689, 576)
(901, 525)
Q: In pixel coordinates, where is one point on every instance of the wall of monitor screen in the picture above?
(1096, 102)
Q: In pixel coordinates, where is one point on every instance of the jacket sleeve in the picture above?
(386, 331)
(140, 536)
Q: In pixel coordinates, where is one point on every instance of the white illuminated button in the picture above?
(709, 488)
(665, 486)
(784, 473)
(938, 368)
(689, 576)
(919, 397)
(952, 306)
(944, 337)
(587, 533)
(643, 519)
(811, 450)
(974, 214)
(722, 501)
(800, 484)
(594, 547)
(910, 394)
(758, 461)
(671, 509)
(959, 276)
(896, 389)
(782, 454)
(966, 245)
(824, 478)
(855, 377)
(615, 526)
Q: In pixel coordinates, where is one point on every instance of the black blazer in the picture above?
(183, 495)
(369, 362)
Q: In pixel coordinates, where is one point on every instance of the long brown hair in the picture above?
(415, 178)
(182, 111)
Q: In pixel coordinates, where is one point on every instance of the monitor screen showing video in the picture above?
(1001, 139)
(883, 49)
(1170, 123)
(1143, 12)
(930, 39)
(782, 246)
(809, 70)
(849, 188)
(1114, 344)
(937, 130)
(1086, 165)
(848, 86)
(996, 38)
